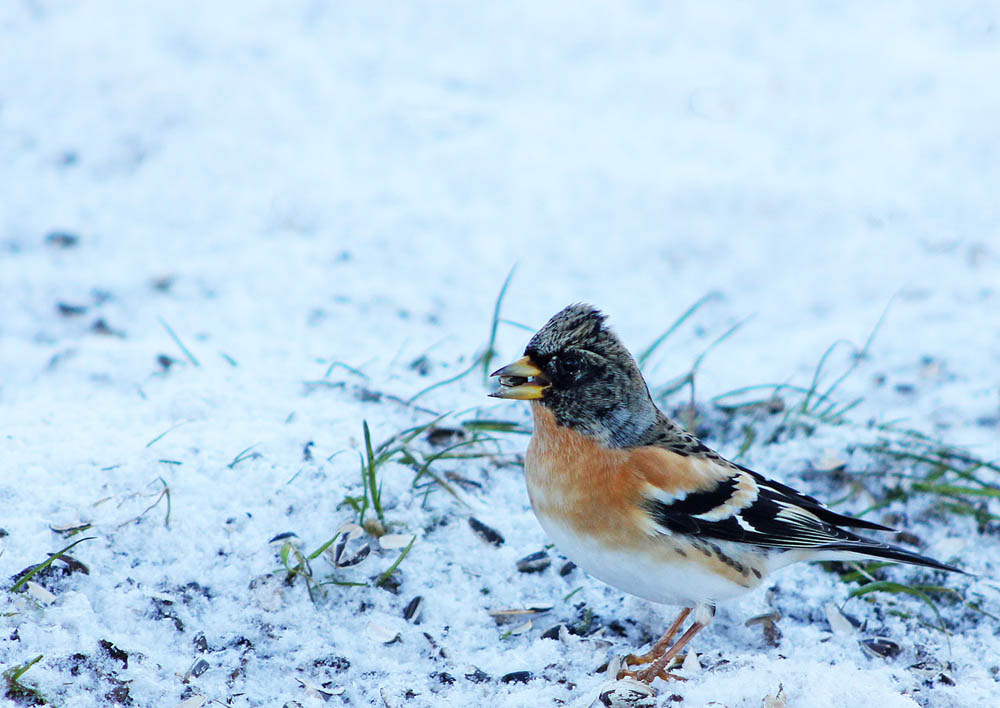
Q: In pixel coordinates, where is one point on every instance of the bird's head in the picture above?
(576, 367)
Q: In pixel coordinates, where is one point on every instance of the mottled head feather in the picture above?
(596, 387)
(578, 325)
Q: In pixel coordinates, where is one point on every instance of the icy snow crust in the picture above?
(289, 185)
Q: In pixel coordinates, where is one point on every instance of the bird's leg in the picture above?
(657, 667)
(660, 646)
(703, 614)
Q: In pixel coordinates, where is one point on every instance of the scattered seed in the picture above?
(517, 677)
(477, 675)
(555, 632)
(200, 643)
(413, 610)
(114, 652)
(691, 662)
(534, 562)
(163, 283)
(40, 593)
(395, 541)
(441, 653)
(830, 462)
(443, 677)
(324, 692)
(927, 669)
(283, 536)
(62, 239)
(67, 310)
(73, 565)
(485, 532)
(567, 568)
(199, 667)
(338, 663)
(504, 616)
(380, 633)
(445, 436)
(519, 629)
(101, 326)
(193, 702)
(881, 647)
(349, 532)
(776, 700)
(769, 624)
(626, 693)
(838, 622)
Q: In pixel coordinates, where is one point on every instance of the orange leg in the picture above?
(660, 646)
(657, 667)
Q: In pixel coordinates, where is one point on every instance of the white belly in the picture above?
(679, 582)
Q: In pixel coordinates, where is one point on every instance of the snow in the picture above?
(289, 185)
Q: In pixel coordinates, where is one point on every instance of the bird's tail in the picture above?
(866, 549)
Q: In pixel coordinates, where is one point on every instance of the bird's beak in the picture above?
(521, 380)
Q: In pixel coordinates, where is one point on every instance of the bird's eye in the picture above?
(570, 364)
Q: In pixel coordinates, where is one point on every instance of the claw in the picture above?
(645, 677)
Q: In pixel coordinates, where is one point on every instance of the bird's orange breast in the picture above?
(574, 479)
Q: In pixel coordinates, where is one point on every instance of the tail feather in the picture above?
(865, 547)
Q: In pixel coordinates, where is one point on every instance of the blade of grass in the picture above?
(447, 381)
(897, 589)
(46, 563)
(374, 489)
(392, 568)
(490, 350)
(648, 351)
(818, 373)
(179, 343)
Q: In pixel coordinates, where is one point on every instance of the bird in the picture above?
(640, 503)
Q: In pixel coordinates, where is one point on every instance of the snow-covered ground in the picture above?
(320, 202)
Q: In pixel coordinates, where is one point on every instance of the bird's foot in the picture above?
(647, 675)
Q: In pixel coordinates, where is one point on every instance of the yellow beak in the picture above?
(516, 383)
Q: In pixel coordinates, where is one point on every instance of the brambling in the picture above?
(643, 505)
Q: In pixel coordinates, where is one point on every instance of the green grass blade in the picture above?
(179, 343)
(46, 563)
(392, 568)
(648, 351)
(494, 323)
(374, 489)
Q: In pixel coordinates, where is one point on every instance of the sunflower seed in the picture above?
(881, 647)
(534, 563)
(504, 616)
(691, 662)
(380, 633)
(394, 541)
(484, 532)
(839, 624)
(626, 693)
(40, 593)
(413, 609)
(193, 702)
(520, 629)
(517, 677)
(347, 533)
